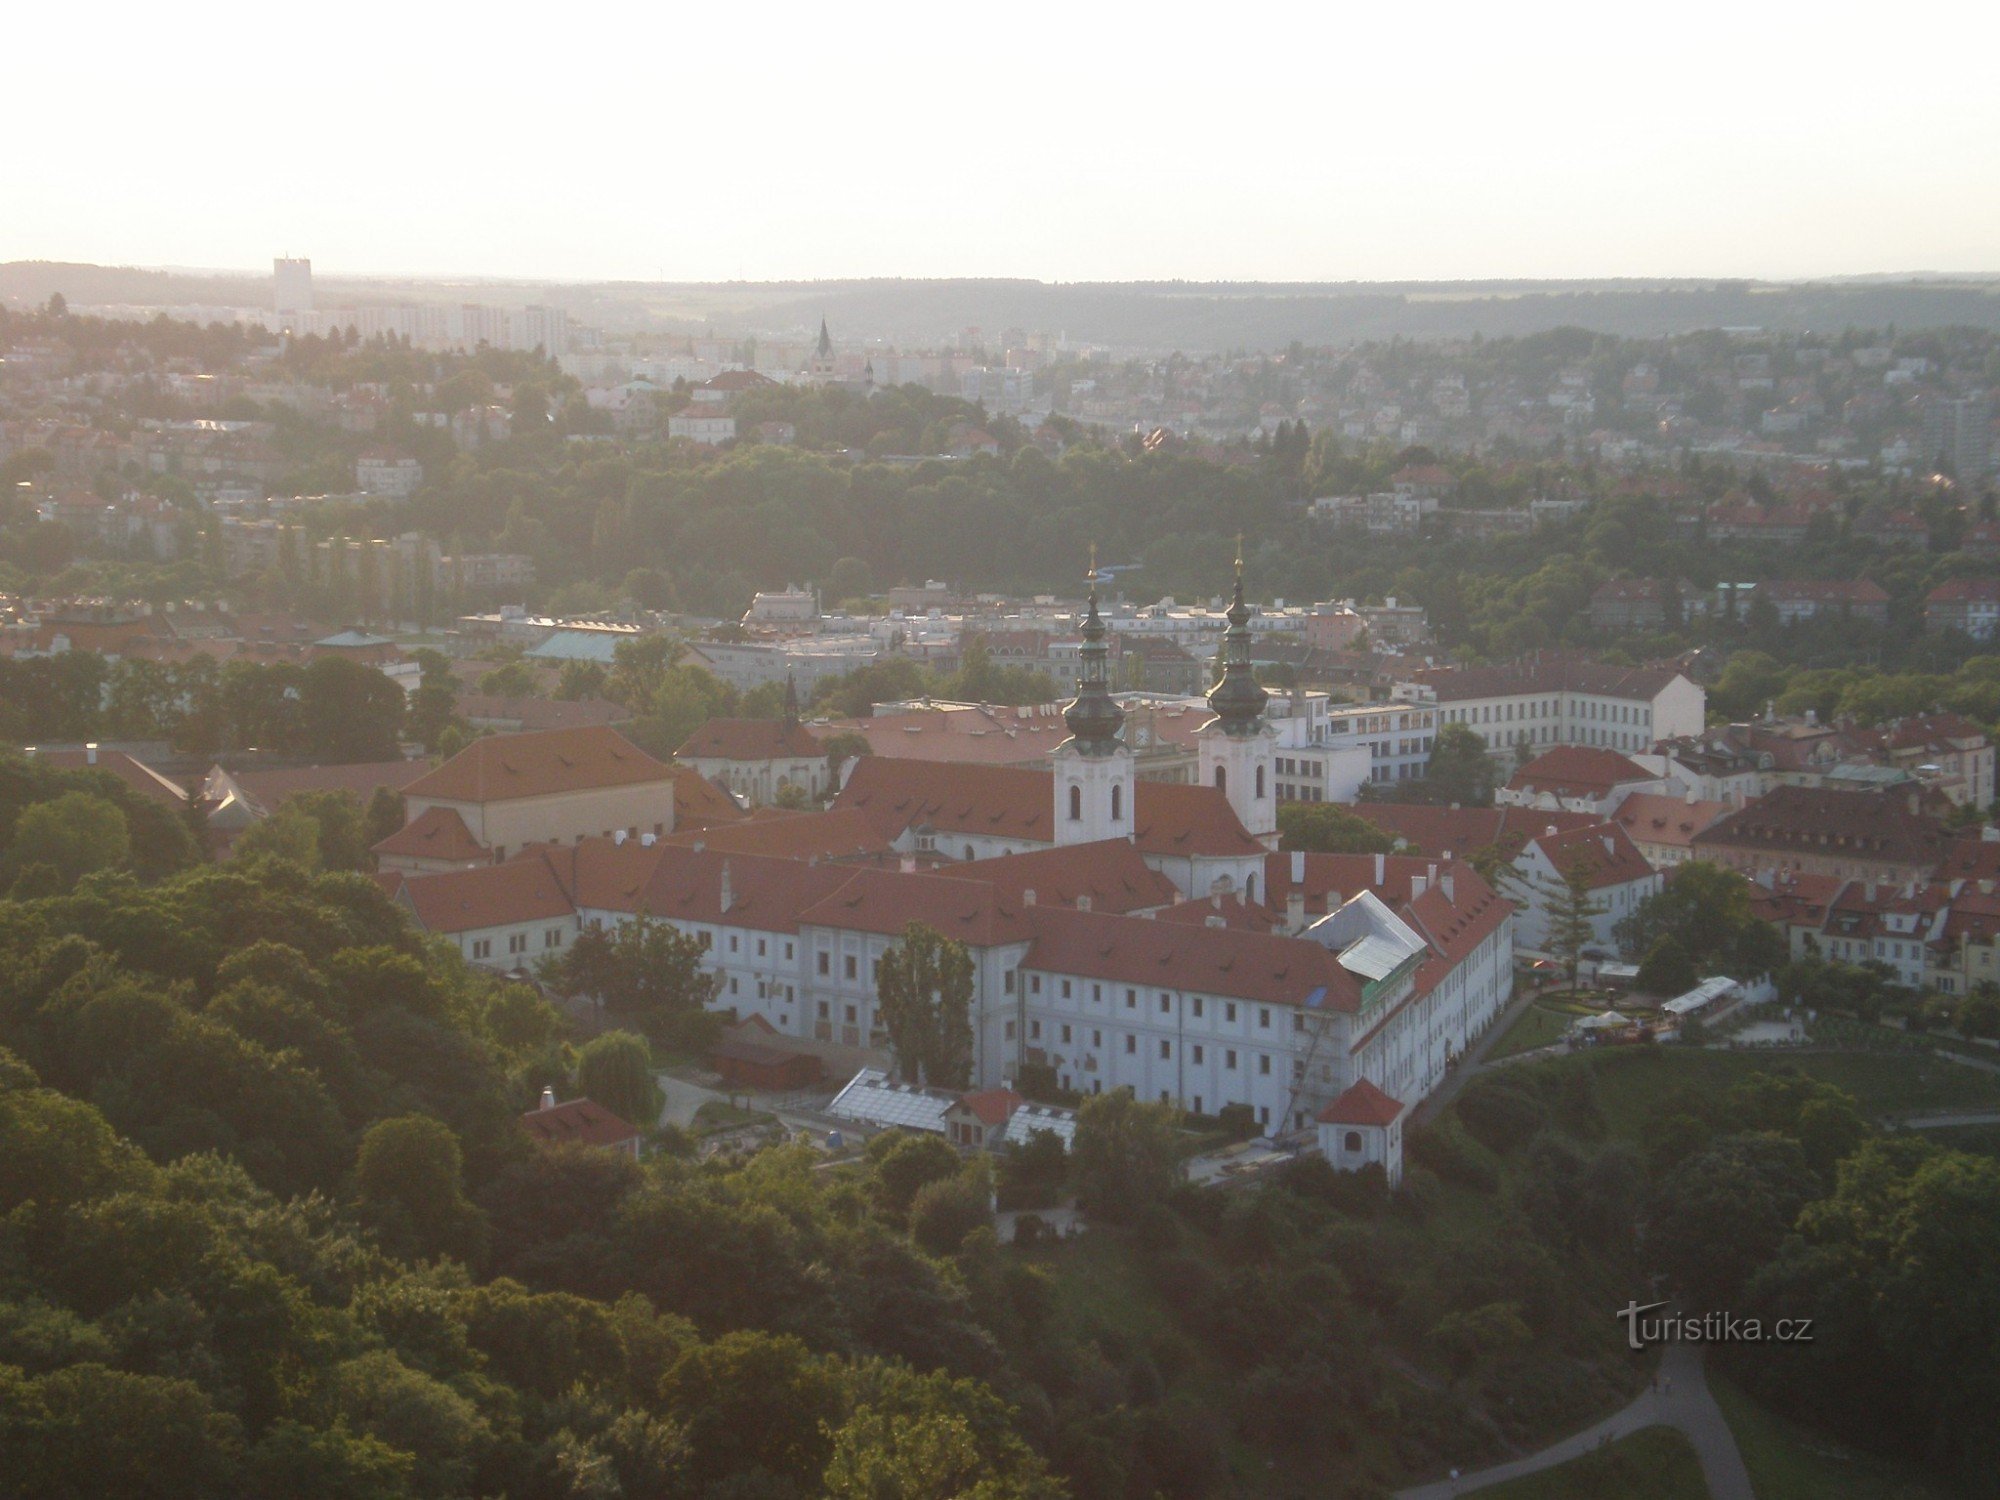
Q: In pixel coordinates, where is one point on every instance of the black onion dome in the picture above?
(1238, 698)
(1093, 716)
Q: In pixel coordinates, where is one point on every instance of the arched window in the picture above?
(1354, 1140)
(1260, 781)
(1117, 801)
(1075, 803)
(1250, 887)
(1221, 779)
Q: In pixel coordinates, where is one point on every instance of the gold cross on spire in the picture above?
(1239, 554)
(1093, 562)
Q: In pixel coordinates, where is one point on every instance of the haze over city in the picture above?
(1030, 753)
(1049, 141)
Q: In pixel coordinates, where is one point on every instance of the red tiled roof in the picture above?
(522, 890)
(583, 1121)
(1965, 590)
(504, 766)
(992, 1106)
(699, 802)
(1578, 770)
(1361, 1104)
(1464, 830)
(1825, 591)
(435, 833)
(270, 789)
(1604, 850)
(750, 739)
(1813, 820)
(1110, 874)
(998, 801)
(1655, 818)
(1175, 955)
(134, 772)
(887, 901)
(838, 833)
(1004, 802)
(678, 883)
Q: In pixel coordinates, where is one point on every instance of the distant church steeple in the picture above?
(791, 701)
(1093, 716)
(819, 369)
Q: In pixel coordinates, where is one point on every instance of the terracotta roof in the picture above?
(435, 833)
(504, 766)
(1233, 910)
(1825, 590)
(1813, 820)
(1174, 955)
(1111, 875)
(1655, 818)
(584, 1121)
(135, 773)
(1604, 850)
(1174, 818)
(1361, 1104)
(1578, 770)
(522, 890)
(838, 833)
(1970, 859)
(1965, 590)
(1000, 802)
(887, 901)
(1004, 802)
(986, 735)
(991, 1106)
(750, 739)
(269, 789)
(699, 802)
(682, 884)
(1463, 830)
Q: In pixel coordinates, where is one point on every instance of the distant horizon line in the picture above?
(449, 278)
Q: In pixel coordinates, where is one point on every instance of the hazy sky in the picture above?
(1063, 142)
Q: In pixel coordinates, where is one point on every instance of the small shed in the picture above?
(750, 1064)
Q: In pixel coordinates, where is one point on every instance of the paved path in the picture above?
(1689, 1408)
(683, 1099)
(1469, 1061)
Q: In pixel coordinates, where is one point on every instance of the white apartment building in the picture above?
(1562, 701)
(1327, 751)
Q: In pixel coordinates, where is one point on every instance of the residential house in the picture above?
(1968, 605)
(1613, 872)
(1578, 778)
(1880, 836)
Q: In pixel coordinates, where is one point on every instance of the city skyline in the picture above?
(1060, 147)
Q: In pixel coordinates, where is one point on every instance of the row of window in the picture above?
(517, 943)
(1197, 1004)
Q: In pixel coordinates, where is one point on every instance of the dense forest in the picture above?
(268, 1226)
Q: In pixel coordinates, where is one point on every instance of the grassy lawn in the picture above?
(1789, 1462)
(1634, 1081)
(1657, 1464)
(1537, 1027)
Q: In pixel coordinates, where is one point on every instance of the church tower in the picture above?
(1235, 749)
(1093, 767)
(819, 370)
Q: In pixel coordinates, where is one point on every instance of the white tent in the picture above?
(1609, 1021)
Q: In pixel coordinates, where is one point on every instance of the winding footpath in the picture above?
(1684, 1404)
